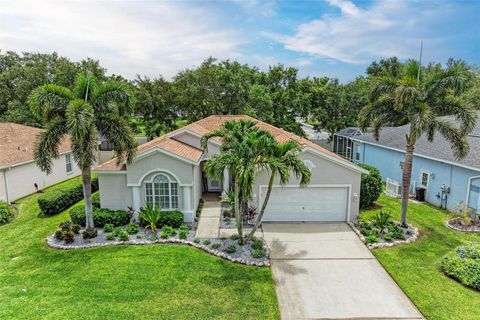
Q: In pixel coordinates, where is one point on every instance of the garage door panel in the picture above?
(307, 204)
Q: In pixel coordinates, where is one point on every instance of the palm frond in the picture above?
(115, 96)
(46, 146)
(118, 132)
(85, 85)
(458, 141)
(49, 101)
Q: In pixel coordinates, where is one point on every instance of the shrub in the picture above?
(108, 227)
(60, 197)
(370, 187)
(182, 233)
(257, 244)
(150, 216)
(123, 236)
(388, 237)
(153, 238)
(101, 217)
(463, 264)
(172, 219)
(381, 221)
(69, 236)
(398, 234)
(258, 253)
(66, 231)
(133, 228)
(196, 240)
(235, 237)
(89, 233)
(111, 237)
(231, 248)
(169, 231)
(96, 199)
(6, 213)
(206, 242)
(215, 245)
(371, 238)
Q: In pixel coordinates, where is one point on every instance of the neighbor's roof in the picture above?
(17, 143)
(168, 143)
(394, 137)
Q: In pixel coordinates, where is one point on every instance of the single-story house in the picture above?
(447, 180)
(19, 174)
(168, 172)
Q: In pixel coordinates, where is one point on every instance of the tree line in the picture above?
(278, 96)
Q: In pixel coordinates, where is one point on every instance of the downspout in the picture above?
(6, 183)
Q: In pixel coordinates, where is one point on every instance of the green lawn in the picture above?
(416, 267)
(124, 282)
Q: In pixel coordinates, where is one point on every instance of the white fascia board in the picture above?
(160, 150)
(342, 163)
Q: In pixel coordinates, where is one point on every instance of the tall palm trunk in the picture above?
(264, 206)
(406, 179)
(238, 213)
(87, 194)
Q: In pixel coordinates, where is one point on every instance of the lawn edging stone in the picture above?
(454, 226)
(413, 237)
(53, 243)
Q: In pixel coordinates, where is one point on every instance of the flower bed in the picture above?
(254, 253)
(381, 232)
(457, 224)
(463, 264)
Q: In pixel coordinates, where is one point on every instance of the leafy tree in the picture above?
(242, 152)
(418, 98)
(281, 160)
(82, 113)
(155, 105)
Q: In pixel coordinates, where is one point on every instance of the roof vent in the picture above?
(23, 149)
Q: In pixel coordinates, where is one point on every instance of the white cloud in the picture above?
(357, 35)
(129, 37)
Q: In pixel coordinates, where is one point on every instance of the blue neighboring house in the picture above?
(447, 180)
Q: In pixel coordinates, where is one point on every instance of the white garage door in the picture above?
(313, 203)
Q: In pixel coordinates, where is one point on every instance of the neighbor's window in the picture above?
(357, 152)
(68, 163)
(162, 193)
(425, 178)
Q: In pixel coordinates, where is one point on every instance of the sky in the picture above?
(335, 38)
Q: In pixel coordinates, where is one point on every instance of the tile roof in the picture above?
(17, 143)
(167, 142)
(394, 137)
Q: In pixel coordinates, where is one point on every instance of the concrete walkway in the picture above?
(323, 271)
(209, 221)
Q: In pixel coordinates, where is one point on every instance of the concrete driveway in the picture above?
(323, 271)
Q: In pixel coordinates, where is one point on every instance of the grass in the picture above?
(124, 282)
(416, 267)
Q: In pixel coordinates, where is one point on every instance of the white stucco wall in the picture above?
(185, 137)
(114, 193)
(21, 178)
(325, 172)
(197, 186)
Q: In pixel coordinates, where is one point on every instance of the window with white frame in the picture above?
(162, 192)
(68, 163)
(424, 178)
(357, 152)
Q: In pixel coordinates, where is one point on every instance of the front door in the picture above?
(214, 185)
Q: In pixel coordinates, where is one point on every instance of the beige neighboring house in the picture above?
(19, 174)
(168, 172)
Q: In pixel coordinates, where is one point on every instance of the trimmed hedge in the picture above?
(172, 219)
(463, 264)
(96, 199)
(59, 197)
(6, 213)
(371, 186)
(101, 217)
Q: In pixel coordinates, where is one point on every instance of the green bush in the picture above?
(388, 237)
(463, 264)
(96, 199)
(133, 228)
(231, 248)
(66, 231)
(258, 253)
(6, 213)
(110, 237)
(123, 235)
(371, 186)
(235, 236)
(182, 233)
(257, 244)
(371, 238)
(206, 242)
(215, 245)
(169, 231)
(172, 219)
(196, 240)
(101, 217)
(59, 197)
(108, 227)
(89, 233)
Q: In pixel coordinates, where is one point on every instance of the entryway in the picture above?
(209, 221)
(323, 271)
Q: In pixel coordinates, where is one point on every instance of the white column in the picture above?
(136, 202)
(226, 181)
(187, 199)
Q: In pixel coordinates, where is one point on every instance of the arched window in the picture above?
(162, 192)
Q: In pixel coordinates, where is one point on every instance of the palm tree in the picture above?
(282, 160)
(244, 147)
(89, 109)
(419, 99)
